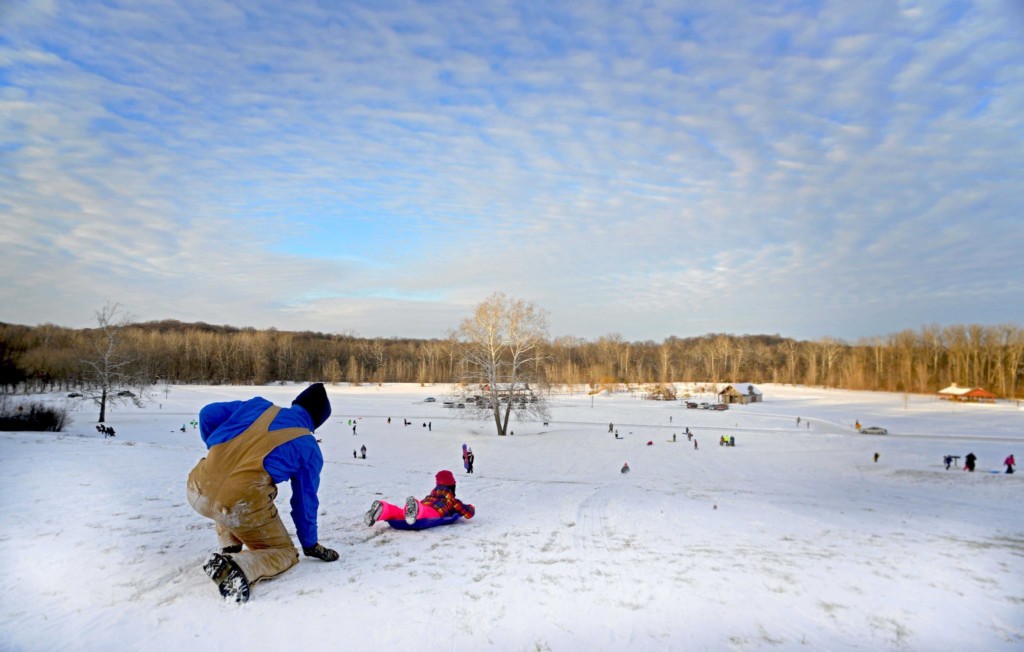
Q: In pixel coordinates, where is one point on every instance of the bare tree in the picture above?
(110, 368)
(373, 354)
(501, 354)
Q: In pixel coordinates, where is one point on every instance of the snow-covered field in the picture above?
(794, 539)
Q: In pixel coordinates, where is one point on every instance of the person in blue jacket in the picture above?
(252, 446)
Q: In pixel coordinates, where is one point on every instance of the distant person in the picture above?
(470, 458)
(876, 457)
(694, 443)
(798, 421)
(857, 424)
(353, 428)
(689, 435)
(430, 426)
(673, 437)
(362, 450)
(948, 461)
(732, 440)
(439, 503)
(354, 456)
(625, 467)
(1010, 463)
(389, 421)
(611, 427)
(252, 447)
(970, 461)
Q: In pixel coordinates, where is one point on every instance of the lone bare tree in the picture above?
(500, 354)
(110, 369)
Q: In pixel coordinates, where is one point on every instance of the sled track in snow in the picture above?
(594, 538)
(591, 531)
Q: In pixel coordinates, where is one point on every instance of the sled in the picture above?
(423, 523)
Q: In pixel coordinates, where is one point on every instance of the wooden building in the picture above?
(967, 394)
(741, 393)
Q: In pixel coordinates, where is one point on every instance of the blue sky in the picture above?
(645, 168)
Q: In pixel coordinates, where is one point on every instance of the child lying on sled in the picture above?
(439, 507)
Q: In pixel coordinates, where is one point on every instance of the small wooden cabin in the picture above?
(967, 394)
(741, 393)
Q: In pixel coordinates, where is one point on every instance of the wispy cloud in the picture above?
(803, 168)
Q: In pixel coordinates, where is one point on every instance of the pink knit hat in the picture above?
(445, 478)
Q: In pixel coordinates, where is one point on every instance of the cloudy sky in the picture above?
(642, 167)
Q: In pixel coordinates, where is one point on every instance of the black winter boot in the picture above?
(320, 552)
(228, 577)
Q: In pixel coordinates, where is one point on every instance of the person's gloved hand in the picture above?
(320, 552)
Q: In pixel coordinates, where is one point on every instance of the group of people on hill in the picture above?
(971, 461)
(254, 445)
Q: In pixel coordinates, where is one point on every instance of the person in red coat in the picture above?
(439, 503)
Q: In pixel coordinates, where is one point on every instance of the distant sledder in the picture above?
(440, 507)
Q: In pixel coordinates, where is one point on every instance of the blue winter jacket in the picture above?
(298, 460)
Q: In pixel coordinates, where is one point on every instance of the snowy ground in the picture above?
(794, 539)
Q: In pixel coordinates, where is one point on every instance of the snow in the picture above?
(793, 539)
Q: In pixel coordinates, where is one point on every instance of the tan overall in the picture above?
(231, 487)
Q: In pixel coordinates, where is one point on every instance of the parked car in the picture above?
(721, 406)
(690, 405)
(429, 399)
(448, 404)
(74, 395)
(873, 430)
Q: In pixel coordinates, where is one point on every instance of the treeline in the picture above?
(50, 357)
